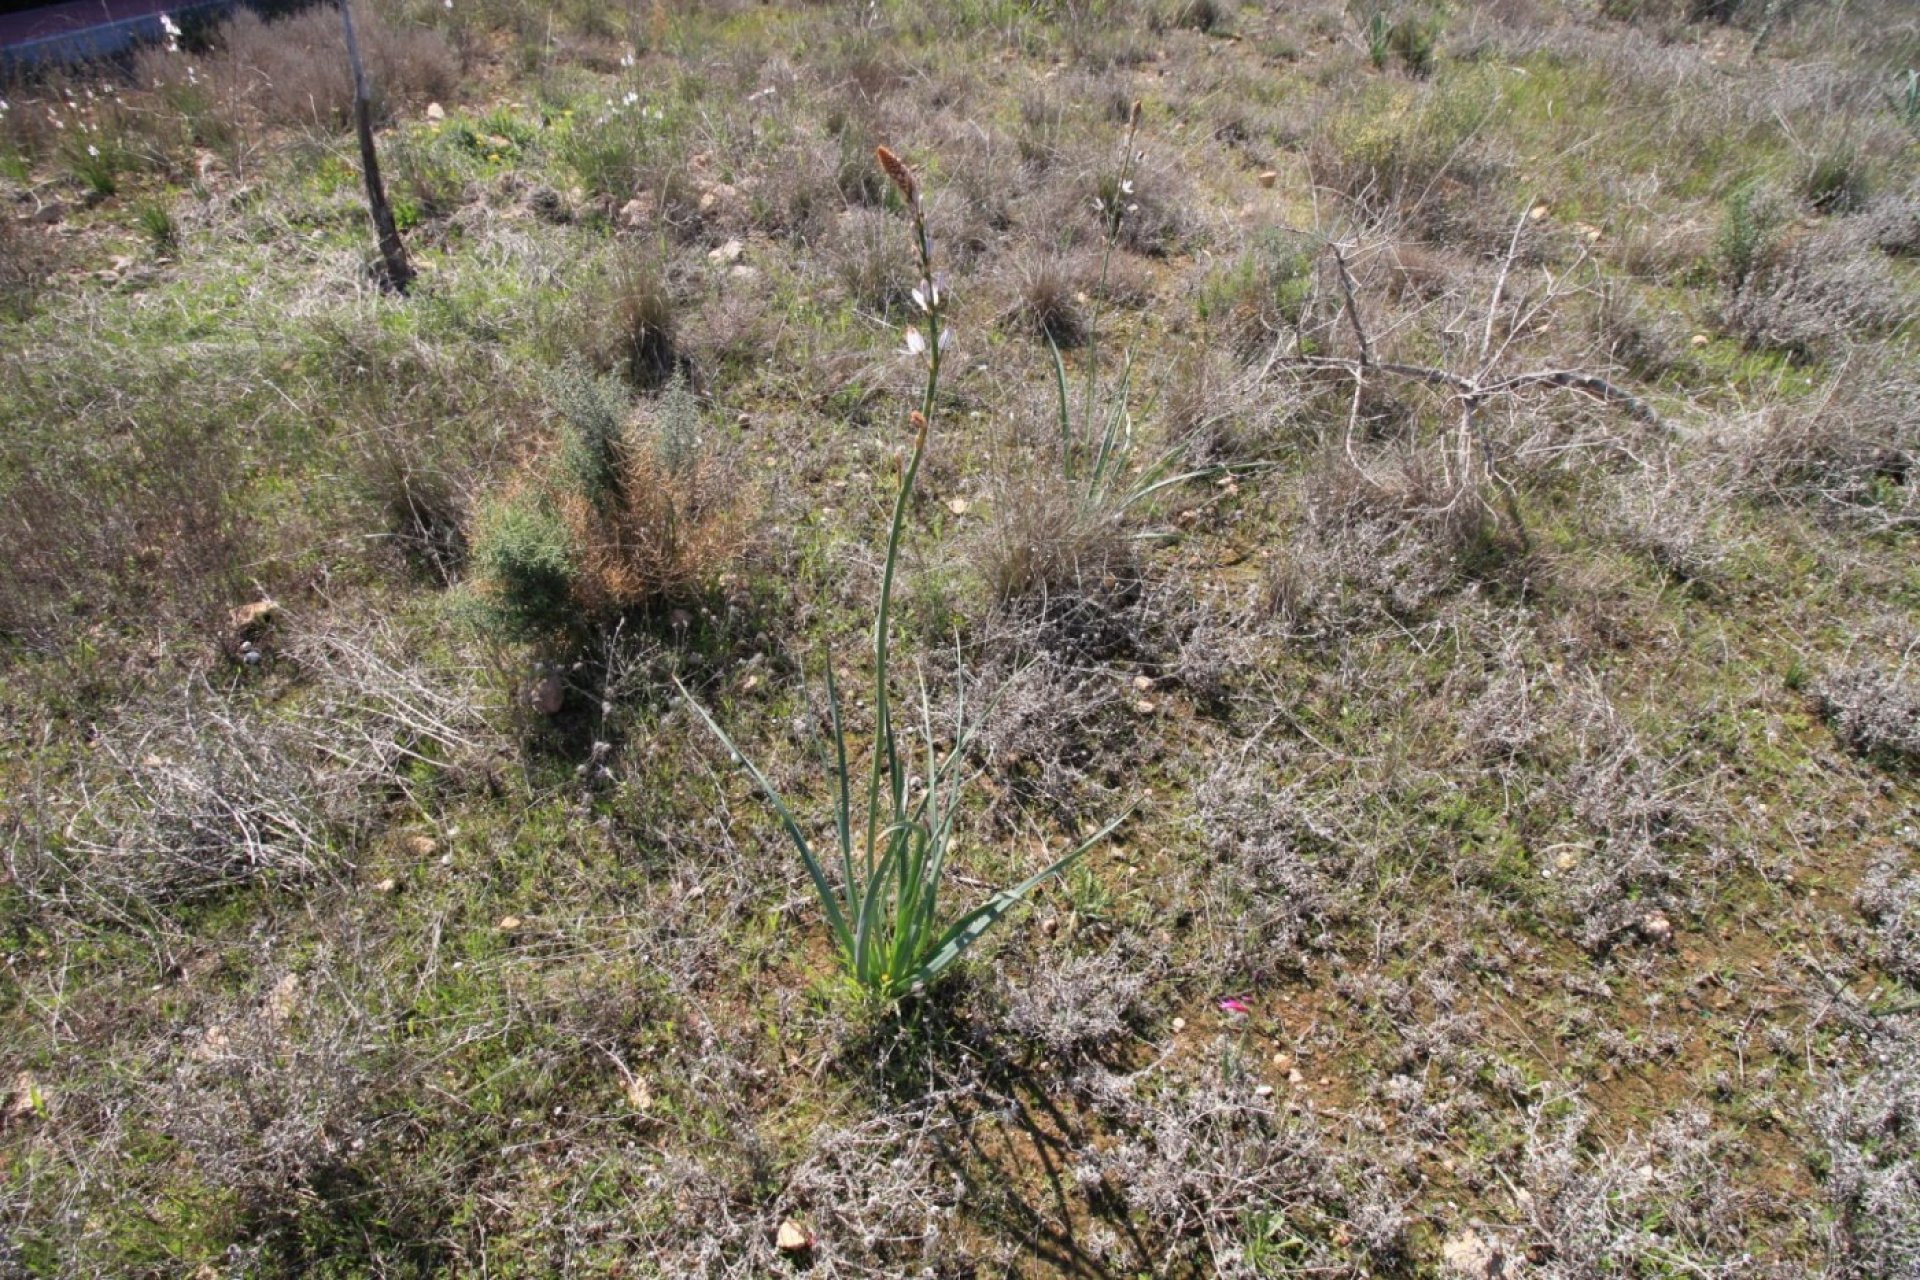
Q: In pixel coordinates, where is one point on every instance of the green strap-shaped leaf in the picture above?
(836, 919)
(969, 929)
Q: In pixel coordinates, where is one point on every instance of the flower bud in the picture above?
(897, 170)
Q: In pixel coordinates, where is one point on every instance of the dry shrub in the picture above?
(669, 536)
(1890, 900)
(1870, 1129)
(1812, 292)
(1674, 512)
(272, 1098)
(1058, 737)
(1673, 1194)
(1277, 890)
(1158, 213)
(1206, 1162)
(209, 792)
(1853, 448)
(1873, 710)
(294, 71)
(1641, 811)
(1370, 546)
(1080, 1006)
(193, 803)
(28, 256)
(143, 533)
(1893, 223)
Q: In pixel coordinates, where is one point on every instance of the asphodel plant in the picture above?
(883, 906)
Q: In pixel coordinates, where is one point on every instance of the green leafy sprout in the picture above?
(884, 912)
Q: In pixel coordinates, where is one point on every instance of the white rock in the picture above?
(1469, 1254)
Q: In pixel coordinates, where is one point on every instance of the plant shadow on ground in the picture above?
(1009, 1142)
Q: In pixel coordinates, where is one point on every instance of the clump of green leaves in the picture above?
(527, 557)
(885, 913)
(593, 412)
(1747, 232)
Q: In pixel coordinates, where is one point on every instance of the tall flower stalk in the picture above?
(884, 914)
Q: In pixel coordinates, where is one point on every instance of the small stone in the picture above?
(959, 506)
(1263, 1091)
(1699, 340)
(509, 923)
(1295, 1079)
(422, 846)
(249, 618)
(719, 200)
(728, 253)
(1283, 1062)
(1268, 178)
(1656, 928)
(436, 112)
(1469, 1255)
(638, 212)
(1143, 683)
(1179, 1025)
(386, 886)
(1536, 213)
(284, 998)
(1144, 706)
(793, 1238)
(23, 1099)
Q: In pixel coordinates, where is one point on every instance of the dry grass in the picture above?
(293, 71)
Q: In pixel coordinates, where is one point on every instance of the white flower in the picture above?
(916, 343)
(928, 294)
(166, 25)
(630, 99)
(93, 151)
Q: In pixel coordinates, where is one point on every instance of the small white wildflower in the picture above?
(916, 343)
(166, 25)
(93, 151)
(630, 99)
(1126, 188)
(627, 59)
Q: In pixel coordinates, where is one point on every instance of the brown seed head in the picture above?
(1133, 117)
(897, 170)
(918, 421)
